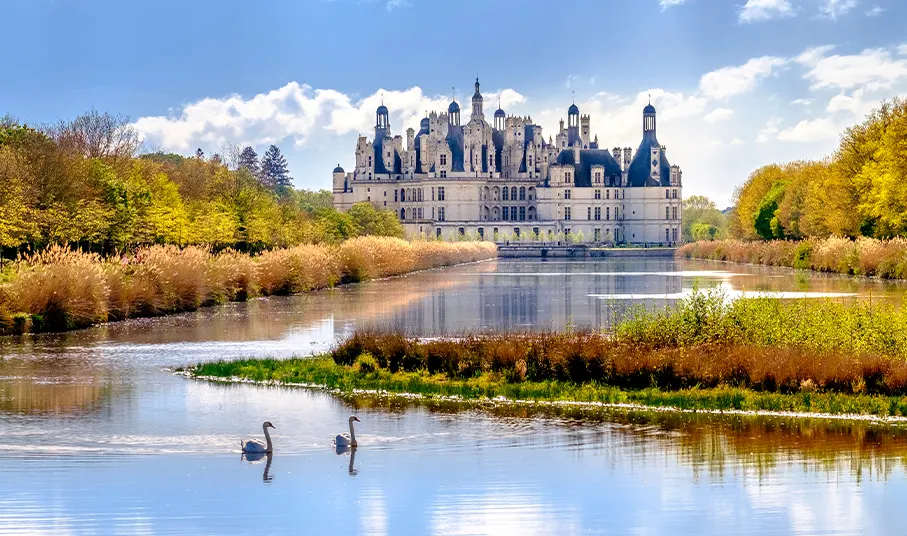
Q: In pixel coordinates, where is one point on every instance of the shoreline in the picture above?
(352, 378)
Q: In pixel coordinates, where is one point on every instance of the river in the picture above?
(97, 437)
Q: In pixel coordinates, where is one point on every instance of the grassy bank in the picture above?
(704, 353)
(60, 289)
(886, 259)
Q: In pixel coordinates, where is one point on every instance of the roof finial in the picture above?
(574, 95)
(650, 99)
(453, 93)
(382, 98)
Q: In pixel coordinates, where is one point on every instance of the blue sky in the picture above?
(737, 83)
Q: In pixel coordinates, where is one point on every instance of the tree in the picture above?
(96, 135)
(248, 160)
(274, 171)
(199, 153)
(699, 209)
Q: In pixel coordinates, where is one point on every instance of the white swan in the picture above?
(344, 440)
(255, 445)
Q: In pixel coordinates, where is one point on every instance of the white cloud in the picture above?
(833, 9)
(802, 102)
(729, 81)
(737, 141)
(294, 112)
(718, 114)
(810, 130)
(902, 50)
(875, 69)
(759, 10)
(875, 11)
(770, 130)
(665, 4)
(394, 4)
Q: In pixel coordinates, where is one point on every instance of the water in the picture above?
(95, 437)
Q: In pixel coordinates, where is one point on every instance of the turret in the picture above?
(648, 119)
(628, 157)
(382, 123)
(584, 129)
(340, 184)
(454, 112)
(499, 118)
(573, 137)
(615, 152)
(410, 139)
(477, 103)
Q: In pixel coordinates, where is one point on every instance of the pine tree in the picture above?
(248, 160)
(274, 171)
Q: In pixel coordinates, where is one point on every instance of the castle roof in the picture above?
(382, 110)
(454, 107)
(587, 159)
(573, 110)
(338, 169)
(640, 173)
(649, 109)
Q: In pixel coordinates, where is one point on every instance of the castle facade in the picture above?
(502, 180)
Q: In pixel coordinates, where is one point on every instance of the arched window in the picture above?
(402, 213)
(522, 193)
(513, 193)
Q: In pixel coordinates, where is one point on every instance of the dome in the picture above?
(500, 113)
(382, 110)
(424, 124)
(338, 169)
(649, 109)
(454, 107)
(573, 110)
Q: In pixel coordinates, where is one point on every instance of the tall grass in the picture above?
(886, 259)
(61, 288)
(761, 344)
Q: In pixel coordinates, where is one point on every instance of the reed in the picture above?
(872, 257)
(62, 288)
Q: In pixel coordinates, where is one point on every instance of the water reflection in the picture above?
(256, 457)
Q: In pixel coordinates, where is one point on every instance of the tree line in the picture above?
(859, 190)
(86, 184)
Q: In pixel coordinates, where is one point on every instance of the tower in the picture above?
(573, 137)
(584, 128)
(454, 112)
(499, 117)
(648, 119)
(382, 123)
(477, 103)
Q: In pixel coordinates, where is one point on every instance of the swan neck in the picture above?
(267, 437)
(352, 433)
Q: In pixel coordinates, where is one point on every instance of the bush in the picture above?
(365, 364)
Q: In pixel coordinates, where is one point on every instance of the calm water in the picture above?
(95, 437)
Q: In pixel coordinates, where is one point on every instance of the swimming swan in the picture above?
(255, 445)
(344, 440)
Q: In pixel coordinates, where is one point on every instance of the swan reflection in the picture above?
(343, 449)
(256, 457)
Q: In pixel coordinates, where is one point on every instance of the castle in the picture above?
(504, 181)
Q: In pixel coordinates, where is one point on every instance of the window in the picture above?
(566, 194)
(522, 213)
(522, 193)
(441, 214)
(667, 215)
(462, 231)
(443, 159)
(607, 194)
(432, 193)
(598, 235)
(516, 231)
(607, 213)
(513, 213)
(588, 213)
(673, 213)
(567, 213)
(598, 194)
(505, 194)
(402, 213)
(443, 174)
(395, 196)
(440, 193)
(598, 177)
(568, 176)
(481, 233)
(598, 213)
(438, 233)
(513, 194)
(674, 193)
(616, 213)
(667, 235)
(667, 194)
(674, 235)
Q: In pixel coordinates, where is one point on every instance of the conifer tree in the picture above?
(248, 160)
(274, 171)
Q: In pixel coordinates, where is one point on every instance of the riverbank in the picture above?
(703, 353)
(60, 289)
(321, 373)
(885, 259)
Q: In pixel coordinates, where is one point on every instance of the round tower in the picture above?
(382, 123)
(454, 112)
(648, 118)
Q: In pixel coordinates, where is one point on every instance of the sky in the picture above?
(737, 83)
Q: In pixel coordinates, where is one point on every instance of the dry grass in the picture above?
(886, 259)
(62, 288)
